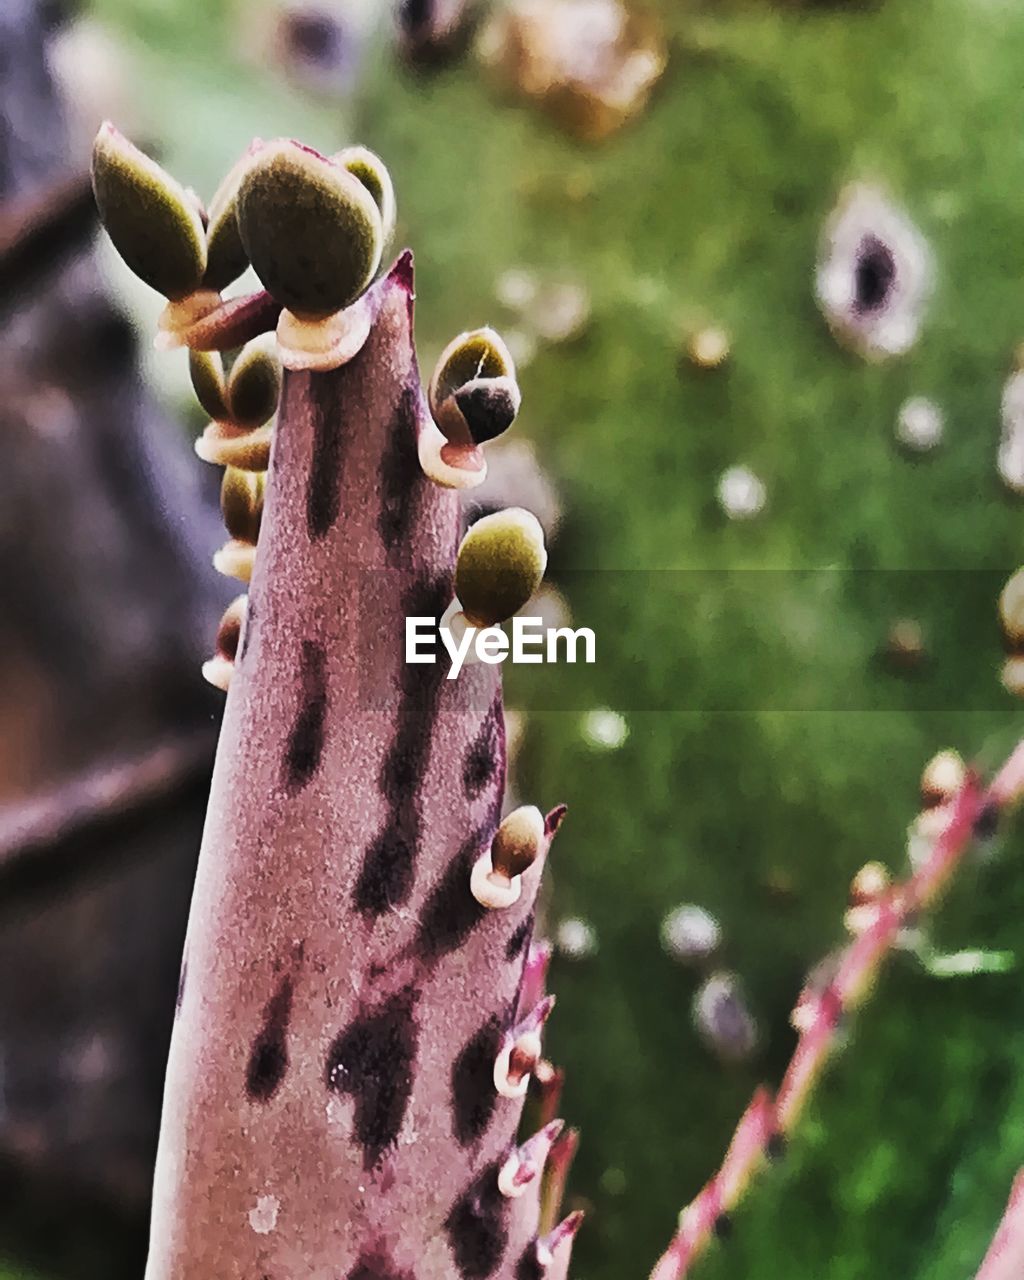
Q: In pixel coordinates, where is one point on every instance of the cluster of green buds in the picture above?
(276, 202)
(291, 198)
(241, 406)
(314, 229)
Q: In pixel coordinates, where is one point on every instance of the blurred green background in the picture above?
(708, 209)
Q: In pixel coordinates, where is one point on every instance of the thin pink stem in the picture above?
(766, 1121)
(1005, 1257)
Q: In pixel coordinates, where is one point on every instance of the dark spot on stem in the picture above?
(775, 1147)
(519, 938)
(306, 740)
(182, 978)
(723, 1226)
(486, 753)
(451, 912)
(386, 877)
(473, 1093)
(372, 1060)
(389, 863)
(268, 1060)
(399, 477)
(323, 491)
(477, 1228)
(376, 1266)
(528, 1267)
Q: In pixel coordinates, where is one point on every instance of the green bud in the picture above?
(473, 394)
(312, 231)
(373, 174)
(518, 841)
(207, 373)
(241, 502)
(154, 224)
(255, 382)
(500, 565)
(226, 258)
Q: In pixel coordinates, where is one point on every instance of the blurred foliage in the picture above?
(708, 209)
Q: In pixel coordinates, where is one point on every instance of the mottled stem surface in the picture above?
(330, 1111)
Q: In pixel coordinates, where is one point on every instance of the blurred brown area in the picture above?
(107, 605)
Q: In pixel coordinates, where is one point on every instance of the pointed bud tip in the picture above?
(563, 1234)
(554, 820)
(402, 271)
(542, 1011)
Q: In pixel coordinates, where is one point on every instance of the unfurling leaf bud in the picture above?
(207, 373)
(255, 382)
(226, 258)
(943, 776)
(1011, 610)
(311, 229)
(518, 841)
(241, 502)
(372, 173)
(473, 394)
(500, 565)
(869, 884)
(154, 224)
(1012, 676)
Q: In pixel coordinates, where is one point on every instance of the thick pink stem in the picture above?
(331, 1111)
